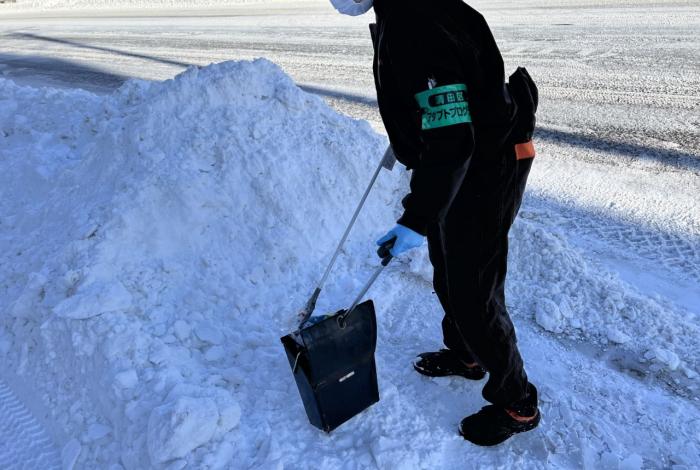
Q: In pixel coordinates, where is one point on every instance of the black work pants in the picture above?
(469, 251)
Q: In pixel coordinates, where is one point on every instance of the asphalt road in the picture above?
(629, 72)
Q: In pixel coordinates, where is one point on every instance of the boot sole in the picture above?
(519, 428)
(477, 375)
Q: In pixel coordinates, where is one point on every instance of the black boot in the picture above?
(446, 362)
(493, 425)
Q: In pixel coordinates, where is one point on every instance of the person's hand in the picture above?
(405, 239)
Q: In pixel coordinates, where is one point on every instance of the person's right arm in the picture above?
(432, 84)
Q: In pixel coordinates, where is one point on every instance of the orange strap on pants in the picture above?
(525, 150)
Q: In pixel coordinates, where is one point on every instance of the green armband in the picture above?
(444, 106)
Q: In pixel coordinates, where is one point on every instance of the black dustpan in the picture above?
(333, 365)
(333, 359)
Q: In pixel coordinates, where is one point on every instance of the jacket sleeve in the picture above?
(429, 73)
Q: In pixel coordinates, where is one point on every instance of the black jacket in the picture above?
(424, 44)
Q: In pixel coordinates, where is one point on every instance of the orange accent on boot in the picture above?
(521, 419)
(525, 150)
(472, 365)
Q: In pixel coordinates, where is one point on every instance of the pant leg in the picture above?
(475, 252)
(451, 336)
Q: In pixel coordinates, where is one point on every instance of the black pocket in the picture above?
(526, 96)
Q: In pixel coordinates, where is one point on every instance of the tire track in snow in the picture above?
(24, 444)
(651, 248)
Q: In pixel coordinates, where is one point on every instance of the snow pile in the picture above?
(156, 242)
(569, 295)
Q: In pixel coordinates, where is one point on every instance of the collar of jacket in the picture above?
(387, 8)
(417, 9)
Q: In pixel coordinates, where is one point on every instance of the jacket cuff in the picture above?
(417, 224)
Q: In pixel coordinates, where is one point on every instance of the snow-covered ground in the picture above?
(157, 239)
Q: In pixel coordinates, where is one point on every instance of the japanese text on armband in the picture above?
(444, 106)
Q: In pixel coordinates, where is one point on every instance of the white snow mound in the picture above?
(154, 239)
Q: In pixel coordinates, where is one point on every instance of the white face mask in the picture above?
(352, 7)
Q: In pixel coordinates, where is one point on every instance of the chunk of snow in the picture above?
(70, 454)
(94, 299)
(617, 336)
(609, 461)
(548, 316)
(127, 379)
(664, 357)
(222, 457)
(182, 329)
(178, 427)
(97, 431)
(633, 462)
(209, 334)
(215, 353)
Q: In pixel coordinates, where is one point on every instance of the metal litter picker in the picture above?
(333, 359)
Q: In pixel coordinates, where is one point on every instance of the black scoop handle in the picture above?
(384, 251)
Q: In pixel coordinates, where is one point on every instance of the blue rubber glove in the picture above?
(406, 239)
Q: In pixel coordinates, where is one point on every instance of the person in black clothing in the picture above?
(466, 136)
